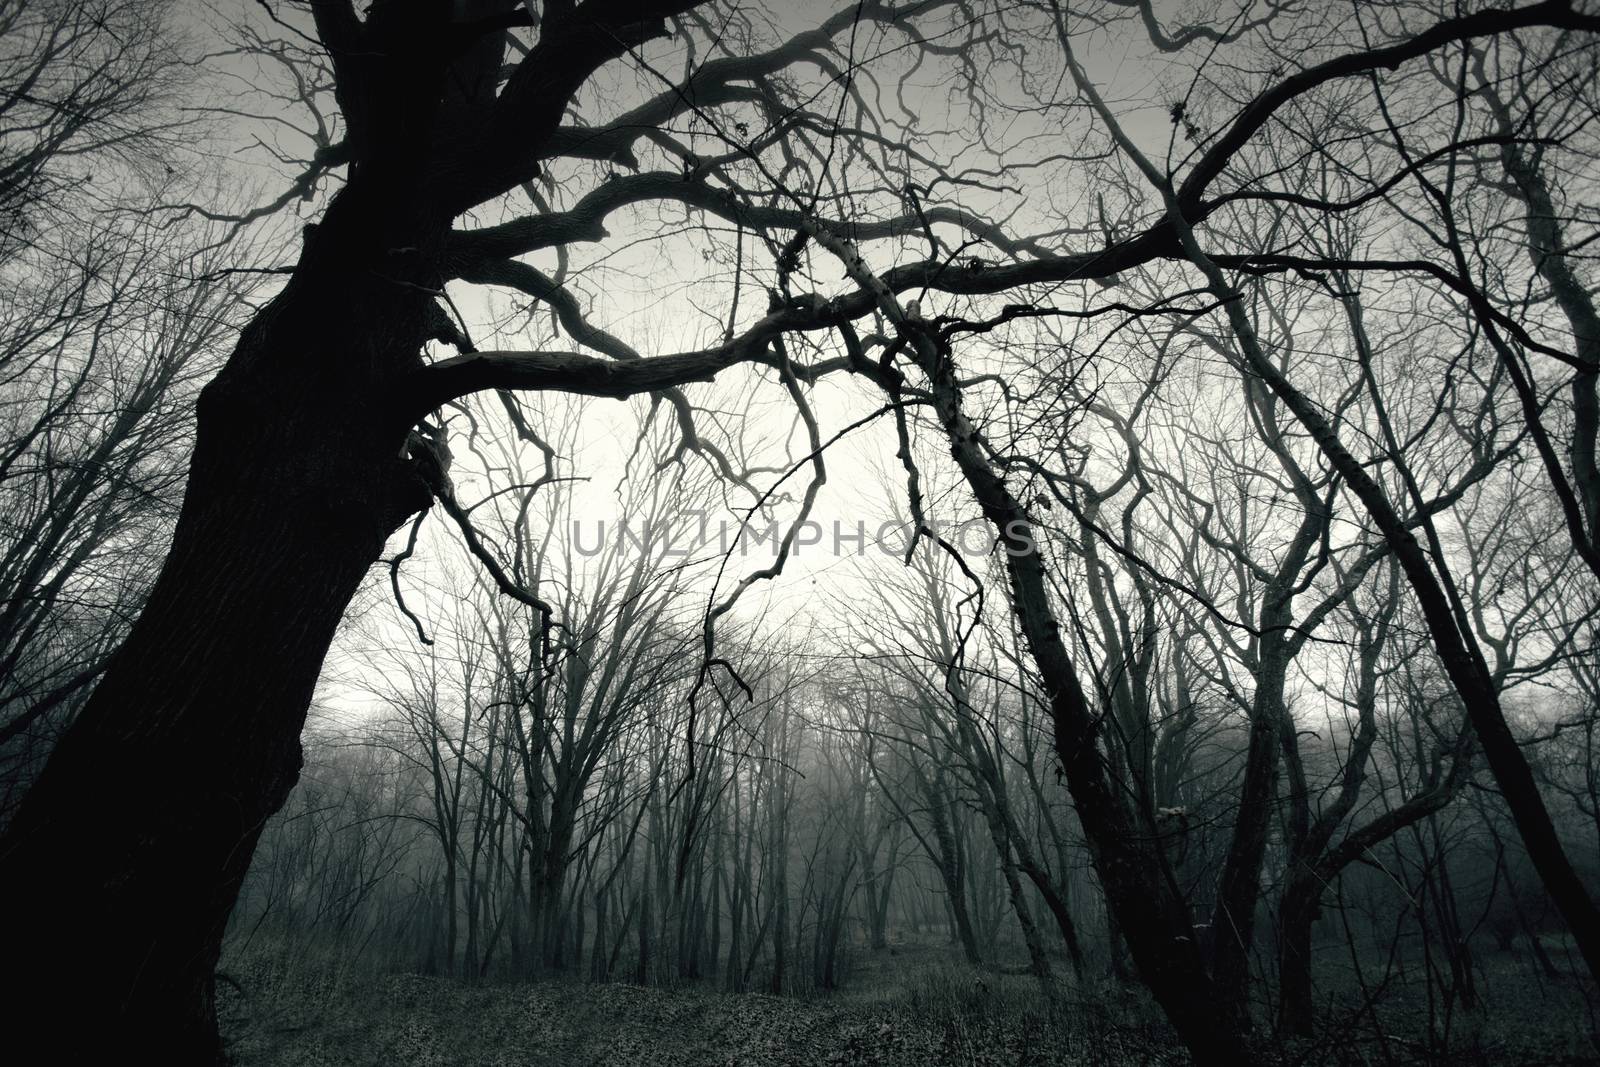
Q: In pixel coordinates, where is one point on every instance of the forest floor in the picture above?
(919, 1006)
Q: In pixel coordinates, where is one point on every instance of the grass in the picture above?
(917, 1006)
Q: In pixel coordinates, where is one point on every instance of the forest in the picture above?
(1037, 532)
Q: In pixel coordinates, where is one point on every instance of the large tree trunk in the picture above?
(1296, 914)
(119, 871)
(1125, 846)
(1239, 888)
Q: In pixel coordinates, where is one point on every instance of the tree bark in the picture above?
(1125, 848)
(123, 863)
(1297, 912)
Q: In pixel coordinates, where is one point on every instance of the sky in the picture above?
(664, 295)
